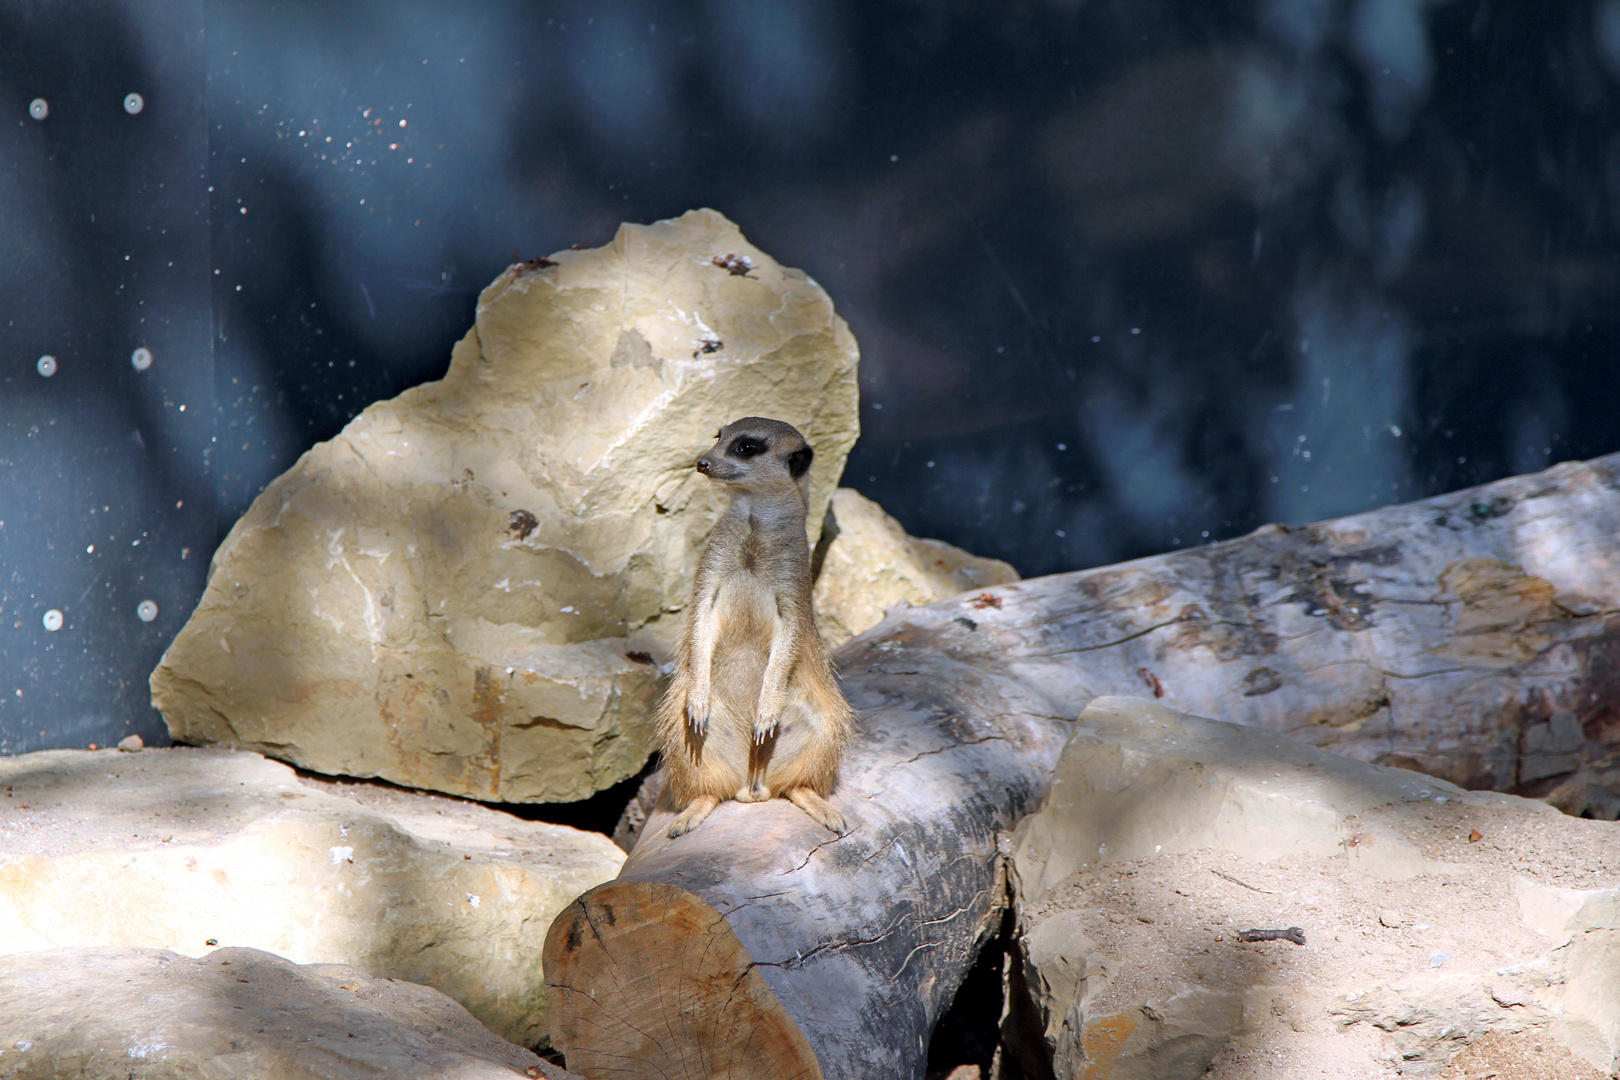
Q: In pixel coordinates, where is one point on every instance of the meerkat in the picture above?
(754, 711)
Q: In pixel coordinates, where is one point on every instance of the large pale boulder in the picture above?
(442, 594)
(1433, 918)
(111, 1014)
(869, 565)
(188, 849)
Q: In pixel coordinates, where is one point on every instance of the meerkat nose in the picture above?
(703, 465)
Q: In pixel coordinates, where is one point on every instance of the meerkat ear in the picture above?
(799, 462)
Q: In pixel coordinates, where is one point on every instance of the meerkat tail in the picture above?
(754, 789)
(690, 818)
(819, 809)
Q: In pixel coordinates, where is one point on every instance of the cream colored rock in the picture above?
(871, 565)
(1433, 917)
(113, 1013)
(441, 594)
(186, 849)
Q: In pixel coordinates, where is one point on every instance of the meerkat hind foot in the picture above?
(819, 809)
(690, 818)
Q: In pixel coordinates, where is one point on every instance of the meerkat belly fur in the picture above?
(754, 711)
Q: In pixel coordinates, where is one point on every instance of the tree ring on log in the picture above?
(686, 961)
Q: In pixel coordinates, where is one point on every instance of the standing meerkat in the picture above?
(754, 711)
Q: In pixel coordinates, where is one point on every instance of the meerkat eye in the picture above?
(746, 447)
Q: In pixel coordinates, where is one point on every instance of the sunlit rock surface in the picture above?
(115, 1013)
(188, 849)
(442, 594)
(871, 565)
(1433, 918)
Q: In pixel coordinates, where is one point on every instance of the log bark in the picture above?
(1443, 634)
(1474, 636)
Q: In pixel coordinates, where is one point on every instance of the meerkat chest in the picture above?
(744, 601)
(751, 574)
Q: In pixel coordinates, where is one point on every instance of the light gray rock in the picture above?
(116, 1013)
(186, 849)
(442, 594)
(1432, 916)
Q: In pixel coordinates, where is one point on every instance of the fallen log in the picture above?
(1474, 636)
(760, 946)
(1443, 634)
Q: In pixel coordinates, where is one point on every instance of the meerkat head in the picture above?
(760, 456)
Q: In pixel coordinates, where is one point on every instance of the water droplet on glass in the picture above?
(46, 366)
(134, 103)
(39, 108)
(52, 620)
(146, 611)
(141, 358)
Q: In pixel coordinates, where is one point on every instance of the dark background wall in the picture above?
(1126, 275)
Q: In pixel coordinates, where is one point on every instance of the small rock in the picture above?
(131, 743)
(1391, 918)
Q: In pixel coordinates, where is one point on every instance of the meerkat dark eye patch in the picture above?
(746, 447)
(799, 461)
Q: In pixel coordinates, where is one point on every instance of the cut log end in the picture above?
(645, 979)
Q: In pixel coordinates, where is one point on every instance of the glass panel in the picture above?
(106, 403)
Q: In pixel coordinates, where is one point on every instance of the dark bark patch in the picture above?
(1483, 510)
(1227, 639)
(1261, 681)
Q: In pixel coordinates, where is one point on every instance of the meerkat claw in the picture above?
(763, 731)
(697, 715)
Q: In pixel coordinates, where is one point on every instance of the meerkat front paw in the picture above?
(697, 711)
